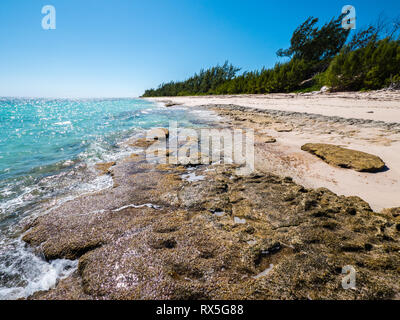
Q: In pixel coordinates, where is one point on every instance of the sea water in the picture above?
(48, 148)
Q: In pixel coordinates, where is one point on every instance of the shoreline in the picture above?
(69, 179)
(384, 104)
(158, 235)
(286, 158)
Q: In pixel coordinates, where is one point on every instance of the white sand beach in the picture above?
(376, 131)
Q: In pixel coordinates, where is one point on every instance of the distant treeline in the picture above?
(319, 56)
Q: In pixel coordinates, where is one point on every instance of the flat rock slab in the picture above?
(345, 158)
(283, 128)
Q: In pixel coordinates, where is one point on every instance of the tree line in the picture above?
(317, 57)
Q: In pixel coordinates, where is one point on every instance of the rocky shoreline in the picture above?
(157, 235)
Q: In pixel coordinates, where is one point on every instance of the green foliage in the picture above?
(203, 83)
(319, 57)
(362, 38)
(314, 87)
(396, 79)
(316, 44)
(367, 68)
(284, 77)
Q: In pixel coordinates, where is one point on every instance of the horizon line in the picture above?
(68, 97)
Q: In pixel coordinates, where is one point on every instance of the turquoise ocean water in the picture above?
(48, 148)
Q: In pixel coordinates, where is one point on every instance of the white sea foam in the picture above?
(149, 205)
(23, 271)
(35, 274)
(192, 177)
(65, 123)
(98, 184)
(22, 199)
(68, 163)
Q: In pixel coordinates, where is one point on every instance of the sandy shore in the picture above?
(368, 122)
(377, 105)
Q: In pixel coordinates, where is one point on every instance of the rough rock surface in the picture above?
(151, 136)
(395, 212)
(157, 236)
(264, 139)
(141, 143)
(104, 168)
(159, 132)
(345, 158)
(169, 103)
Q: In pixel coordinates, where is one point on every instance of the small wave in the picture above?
(30, 273)
(98, 184)
(149, 205)
(63, 170)
(65, 123)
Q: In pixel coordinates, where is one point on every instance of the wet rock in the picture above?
(171, 103)
(179, 249)
(159, 133)
(66, 289)
(104, 168)
(345, 158)
(142, 143)
(151, 137)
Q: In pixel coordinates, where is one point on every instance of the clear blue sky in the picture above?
(118, 48)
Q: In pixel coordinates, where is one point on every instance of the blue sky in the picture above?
(118, 48)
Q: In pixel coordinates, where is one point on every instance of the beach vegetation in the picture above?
(204, 82)
(317, 57)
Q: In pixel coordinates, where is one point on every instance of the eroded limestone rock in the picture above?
(293, 245)
(345, 158)
(104, 168)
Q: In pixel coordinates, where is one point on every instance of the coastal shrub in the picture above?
(371, 67)
(319, 56)
(203, 83)
(284, 77)
(311, 43)
(395, 82)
